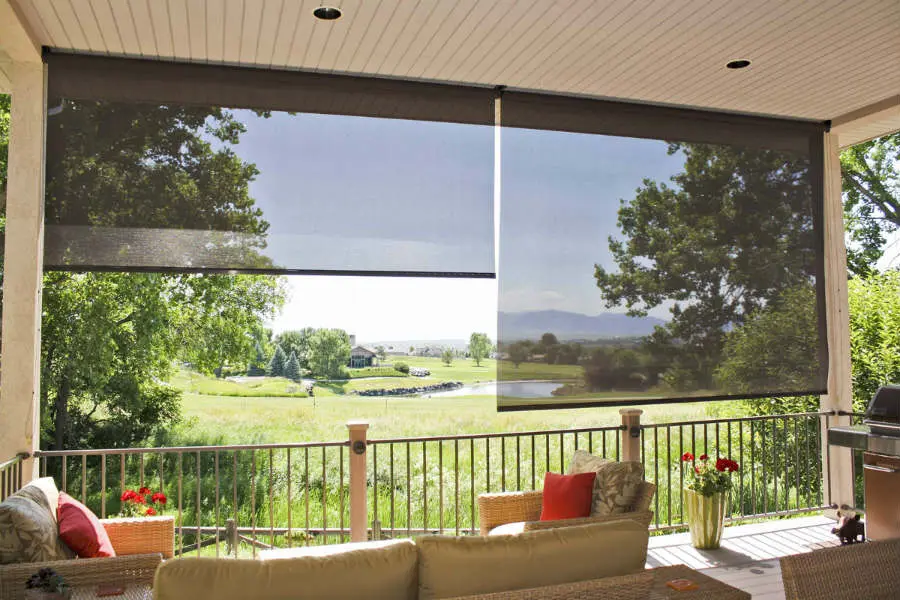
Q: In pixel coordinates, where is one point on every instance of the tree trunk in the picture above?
(62, 413)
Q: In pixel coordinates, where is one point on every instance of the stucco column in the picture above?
(20, 348)
(837, 463)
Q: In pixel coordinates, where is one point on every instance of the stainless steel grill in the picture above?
(880, 431)
(879, 439)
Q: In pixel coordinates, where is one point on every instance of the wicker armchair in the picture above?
(516, 507)
(140, 546)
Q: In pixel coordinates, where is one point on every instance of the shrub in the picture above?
(402, 367)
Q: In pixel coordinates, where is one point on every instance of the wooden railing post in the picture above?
(631, 434)
(359, 513)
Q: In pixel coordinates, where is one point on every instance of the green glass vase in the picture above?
(705, 517)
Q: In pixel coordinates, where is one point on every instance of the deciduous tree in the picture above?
(870, 173)
(329, 352)
(733, 232)
(479, 347)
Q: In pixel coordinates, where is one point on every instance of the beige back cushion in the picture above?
(450, 567)
(380, 570)
(29, 531)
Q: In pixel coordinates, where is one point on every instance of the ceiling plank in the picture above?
(812, 59)
(17, 40)
(876, 120)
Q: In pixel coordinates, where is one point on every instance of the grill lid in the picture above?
(884, 408)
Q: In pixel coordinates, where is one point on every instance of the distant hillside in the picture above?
(573, 326)
(403, 345)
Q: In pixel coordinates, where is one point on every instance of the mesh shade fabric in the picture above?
(182, 167)
(657, 255)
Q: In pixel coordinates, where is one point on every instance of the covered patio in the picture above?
(826, 72)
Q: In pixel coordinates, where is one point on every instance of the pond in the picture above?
(511, 389)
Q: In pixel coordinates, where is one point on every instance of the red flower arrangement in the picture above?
(142, 503)
(708, 478)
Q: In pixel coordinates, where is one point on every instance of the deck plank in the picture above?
(748, 558)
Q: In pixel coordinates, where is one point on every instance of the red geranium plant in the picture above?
(142, 503)
(707, 477)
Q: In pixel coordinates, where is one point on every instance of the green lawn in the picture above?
(191, 382)
(268, 409)
(240, 420)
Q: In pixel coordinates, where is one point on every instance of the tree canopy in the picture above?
(870, 173)
(296, 341)
(732, 232)
(329, 353)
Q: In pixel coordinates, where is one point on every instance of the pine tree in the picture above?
(292, 367)
(276, 365)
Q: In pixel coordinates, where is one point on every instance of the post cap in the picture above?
(357, 425)
(630, 411)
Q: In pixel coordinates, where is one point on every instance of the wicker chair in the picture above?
(140, 546)
(870, 570)
(516, 507)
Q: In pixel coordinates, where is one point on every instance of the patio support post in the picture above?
(359, 513)
(23, 265)
(631, 434)
(837, 463)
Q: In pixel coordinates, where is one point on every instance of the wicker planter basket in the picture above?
(142, 535)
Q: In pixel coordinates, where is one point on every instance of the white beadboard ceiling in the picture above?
(815, 59)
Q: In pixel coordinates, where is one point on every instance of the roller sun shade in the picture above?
(654, 255)
(183, 167)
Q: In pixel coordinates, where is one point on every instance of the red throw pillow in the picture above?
(567, 496)
(81, 530)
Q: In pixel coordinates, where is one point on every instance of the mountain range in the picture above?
(573, 326)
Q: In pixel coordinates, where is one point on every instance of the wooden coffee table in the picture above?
(707, 587)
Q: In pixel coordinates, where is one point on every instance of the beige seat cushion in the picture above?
(508, 529)
(29, 531)
(383, 570)
(617, 483)
(450, 567)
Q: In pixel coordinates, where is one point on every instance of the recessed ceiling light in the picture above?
(738, 64)
(327, 13)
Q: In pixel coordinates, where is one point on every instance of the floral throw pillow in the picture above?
(617, 483)
(28, 528)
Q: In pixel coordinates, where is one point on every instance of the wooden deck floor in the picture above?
(748, 558)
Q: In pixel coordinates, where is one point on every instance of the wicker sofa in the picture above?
(426, 568)
(140, 545)
(524, 509)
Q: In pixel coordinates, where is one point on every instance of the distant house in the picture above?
(361, 357)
